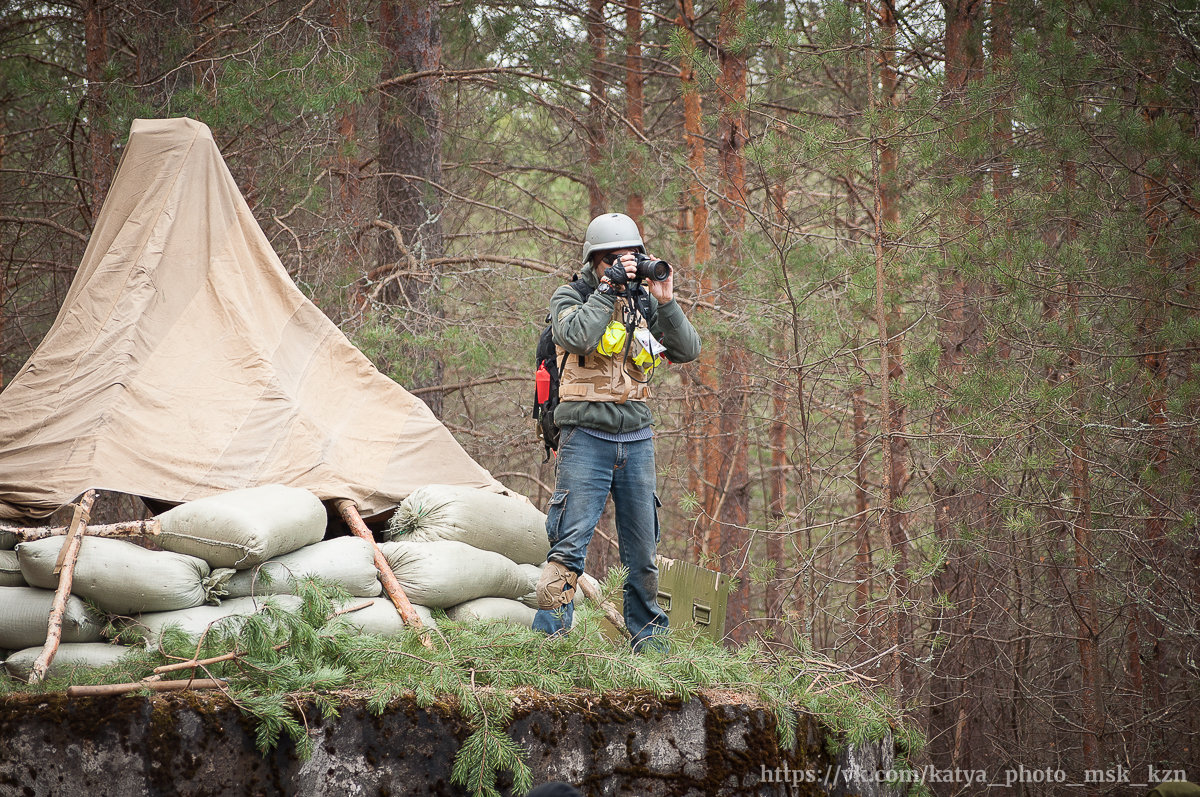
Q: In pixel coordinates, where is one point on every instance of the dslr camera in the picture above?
(647, 268)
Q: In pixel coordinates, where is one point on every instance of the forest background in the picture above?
(943, 256)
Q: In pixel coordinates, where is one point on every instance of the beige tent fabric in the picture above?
(185, 362)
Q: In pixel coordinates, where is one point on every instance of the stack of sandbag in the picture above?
(473, 553)
(208, 543)
(477, 554)
(237, 532)
(273, 538)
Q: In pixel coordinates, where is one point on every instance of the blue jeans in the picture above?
(588, 469)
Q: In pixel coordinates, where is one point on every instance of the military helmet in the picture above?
(611, 231)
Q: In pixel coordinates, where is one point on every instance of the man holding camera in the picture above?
(610, 340)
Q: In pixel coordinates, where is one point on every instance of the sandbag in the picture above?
(69, 656)
(123, 578)
(447, 573)
(8, 540)
(381, 617)
(489, 521)
(194, 622)
(244, 528)
(10, 570)
(347, 561)
(25, 613)
(493, 610)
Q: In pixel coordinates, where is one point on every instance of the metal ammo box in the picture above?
(690, 595)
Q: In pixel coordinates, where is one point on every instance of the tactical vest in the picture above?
(602, 378)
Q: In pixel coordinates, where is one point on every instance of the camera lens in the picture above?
(649, 268)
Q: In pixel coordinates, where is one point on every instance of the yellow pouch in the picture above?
(643, 350)
(613, 340)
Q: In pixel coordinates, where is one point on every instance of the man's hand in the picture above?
(663, 290)
(616, 275)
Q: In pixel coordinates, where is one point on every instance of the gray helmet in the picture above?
(611, 231)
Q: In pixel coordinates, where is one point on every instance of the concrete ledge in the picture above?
(194, 744)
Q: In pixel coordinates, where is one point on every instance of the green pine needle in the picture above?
(308, 658)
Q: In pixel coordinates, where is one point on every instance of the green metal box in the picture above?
(693, 595)
(690, 595)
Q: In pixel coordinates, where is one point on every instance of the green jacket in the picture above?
(579, 331)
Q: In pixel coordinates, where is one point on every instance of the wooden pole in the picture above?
(610, 610)
(126, 528)
(349, 512)
(70, 553)
(101, 690)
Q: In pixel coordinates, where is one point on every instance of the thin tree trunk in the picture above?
(3, 274)
(1091, 713)
(862, 524)
(1088, 615)
(67, 559)
(777, 587)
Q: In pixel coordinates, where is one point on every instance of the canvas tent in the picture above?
(185, 362)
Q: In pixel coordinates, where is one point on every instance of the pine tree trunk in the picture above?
(100, 139)
(729, 505)
(1088, 629)
(698, 409)
(1091, 714)
(204, 77)
(1154, 366)
(410, 172)
(634, 100)
(887, 216)
(954, 509)
(597, 138)
(345, 170)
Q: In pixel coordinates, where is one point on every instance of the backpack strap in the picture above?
(584, 289)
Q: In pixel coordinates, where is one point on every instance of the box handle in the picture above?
(701, 614)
